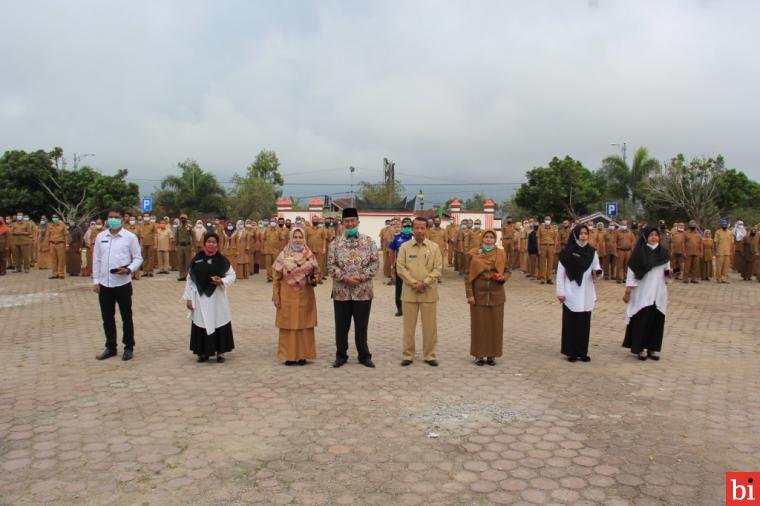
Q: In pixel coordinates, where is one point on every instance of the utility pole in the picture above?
(353, 198)
(78, 158)
(623, 147)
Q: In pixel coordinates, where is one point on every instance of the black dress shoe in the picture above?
(220, 359)
(652, 356)
(572, 359)
(302, 362)
(339, 362)
(368, 363)
(399, 313)
(127, 355)
(480, 362)
(433, 363)
(491, 361)
(405, 363)
(107, 353)
(53, 277)
(291, 362)
(202, 358)
(181, 279)
(642, 356)
(586, 359)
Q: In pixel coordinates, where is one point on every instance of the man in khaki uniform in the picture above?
(272, 245)
(723, 243)
(58, 238)
(419, 264)
(508, 241)
(438, 236)
(386, 234)
(548, 238)
(148, 234)
(451, 242)
(625, 240)
(472, 239)
(564, 235)
(316, 239)
(22, 233)
(131, 224)
(460, 251)
(183, 239)
(693, 252)
(677, 248)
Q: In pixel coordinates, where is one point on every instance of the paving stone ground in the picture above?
(535, 429)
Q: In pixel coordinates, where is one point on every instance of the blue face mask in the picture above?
(296, 247)
(352, 231)
(407, 230)
(487, 248)
(114, 223)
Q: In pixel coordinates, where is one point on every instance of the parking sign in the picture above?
(611, 209)
(147, 204)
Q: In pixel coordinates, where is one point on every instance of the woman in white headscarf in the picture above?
(239, 243)
(199, 232)
(739, 233)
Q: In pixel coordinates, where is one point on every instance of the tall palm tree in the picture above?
(193, 191)
(630, 180)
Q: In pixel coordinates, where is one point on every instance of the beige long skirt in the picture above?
(297, 345)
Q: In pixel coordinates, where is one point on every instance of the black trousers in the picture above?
(399, 286)
(344, 311)
(108, 298)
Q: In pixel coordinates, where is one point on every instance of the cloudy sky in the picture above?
(455, 92)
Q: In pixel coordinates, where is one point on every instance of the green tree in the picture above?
(266, 167)
(564, 189)
(475, 202)
(380, 194)
(39, 184)
(255, 194)
(688, 187)
(735, 191)
(510, 208)
(194, 191)
(628, 182)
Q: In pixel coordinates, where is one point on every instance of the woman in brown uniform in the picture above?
(484, 285)
(708, 246)
(296, 272)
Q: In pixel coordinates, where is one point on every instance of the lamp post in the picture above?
(421, 198)
(78, 158)
(623, 146)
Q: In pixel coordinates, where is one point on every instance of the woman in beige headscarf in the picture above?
(296, 272)
(240, 244)
(484, 285)
(199, 231)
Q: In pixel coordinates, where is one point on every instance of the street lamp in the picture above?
(78, 158)
(352, 169)
(421, 198)
(623, 146)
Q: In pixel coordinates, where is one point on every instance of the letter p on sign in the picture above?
(741, 489)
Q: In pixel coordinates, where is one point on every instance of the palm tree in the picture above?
(193, 191)
(628, 182)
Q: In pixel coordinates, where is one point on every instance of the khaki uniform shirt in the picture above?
(473, 239)
(419, 262)
(723, 240)
(692, 243)
(56, 233)
(164, 239)
(273, 240)
(148, 233)
(22, 232)
(677, 243)
(508, 234)
(438, 236)
(624, 240)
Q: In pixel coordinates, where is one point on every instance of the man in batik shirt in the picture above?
(352, 262)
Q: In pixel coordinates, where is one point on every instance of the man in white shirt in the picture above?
(115, 257)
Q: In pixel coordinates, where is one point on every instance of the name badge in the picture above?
(412, 256)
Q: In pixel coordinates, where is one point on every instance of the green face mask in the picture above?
(56, 220)
(487, 248)
(351, 232)
(407, 230)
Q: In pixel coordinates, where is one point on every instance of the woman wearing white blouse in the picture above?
(646, 294)
(210, 275)
(578, 263)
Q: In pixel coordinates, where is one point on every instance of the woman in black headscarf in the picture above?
(646, 294)
(578, 262)
(209, 276)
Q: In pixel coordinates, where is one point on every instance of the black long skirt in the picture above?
(645, 330)
(576, 328)
(221, 341)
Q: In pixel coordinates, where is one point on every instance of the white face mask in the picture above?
(131, 222)
(547, 222)
(652, 246)
(623, 227)
(580, 243)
